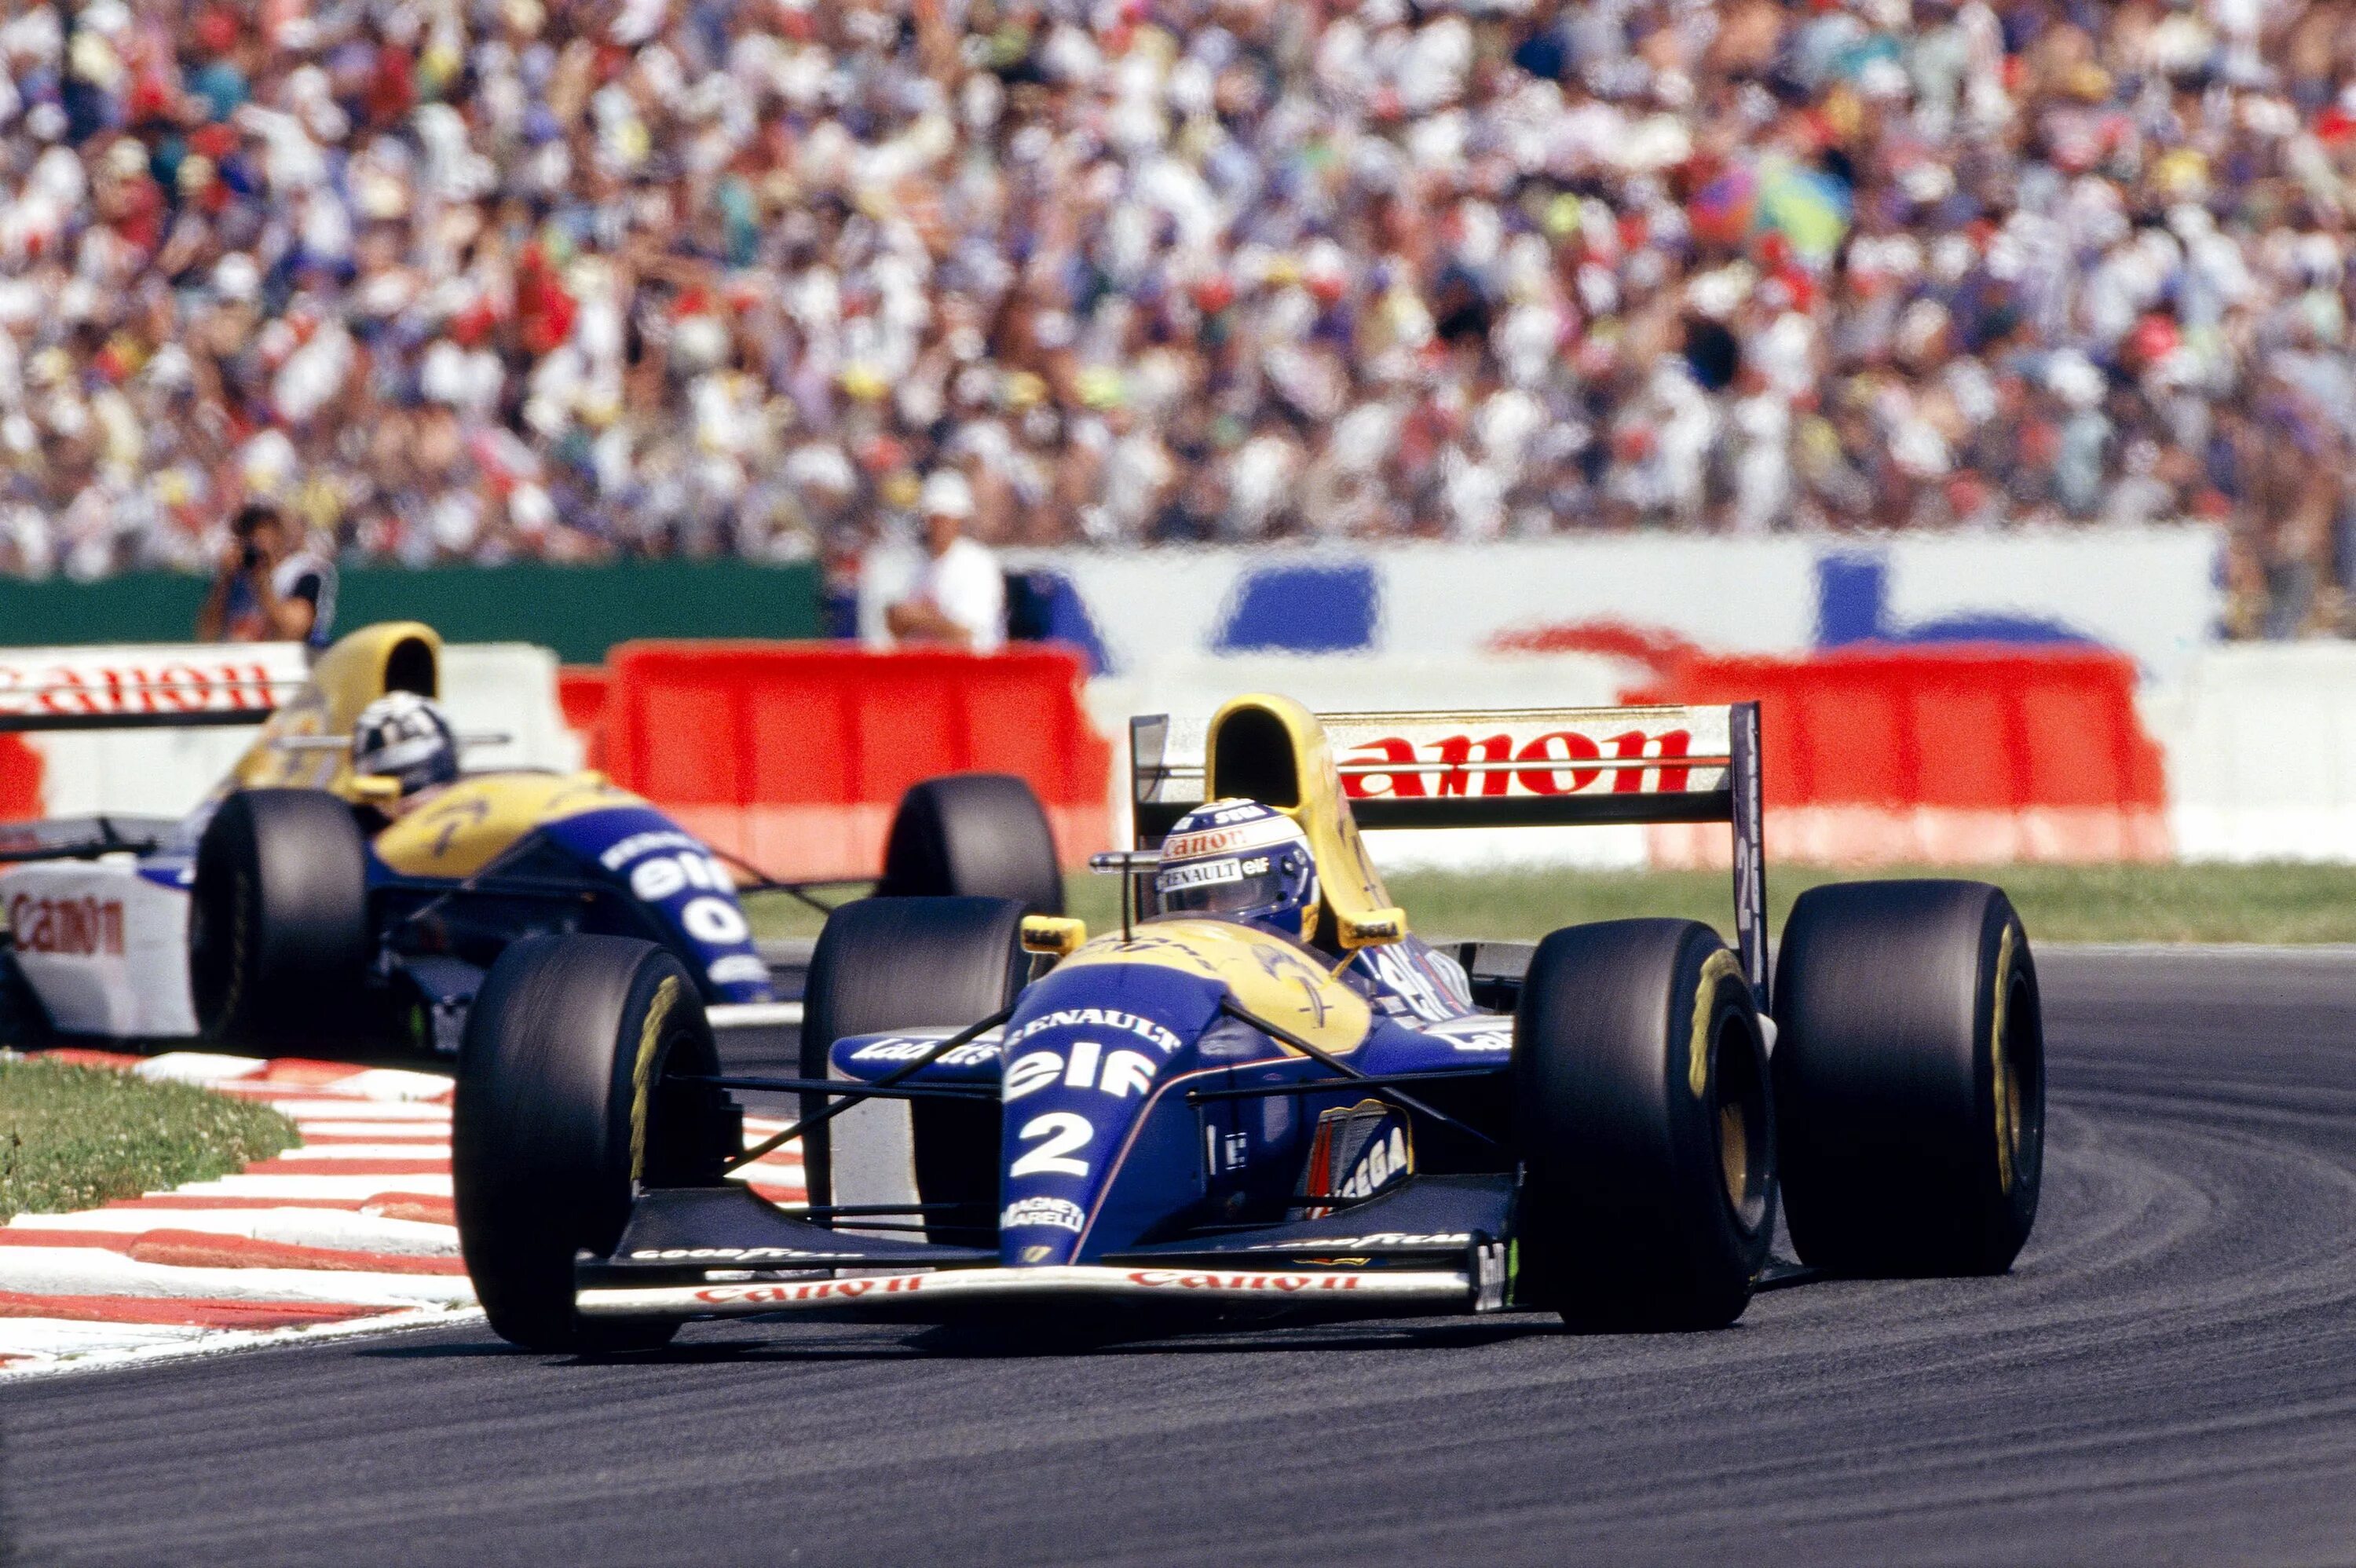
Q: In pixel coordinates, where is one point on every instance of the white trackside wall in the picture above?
(2259, 740)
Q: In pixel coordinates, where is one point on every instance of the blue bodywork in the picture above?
(624, 871)
(700, 919)
(1102, 1150)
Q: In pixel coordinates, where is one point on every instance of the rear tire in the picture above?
(278, 933)
(1909, 1078)
(1648, 1176)
(550, 1131)
(973, 836)
(885, 964)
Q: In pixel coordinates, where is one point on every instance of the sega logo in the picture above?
(1549, 756)
(68, 927)
(1383, 1161)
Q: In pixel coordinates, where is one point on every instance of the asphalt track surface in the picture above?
(2169, 1375)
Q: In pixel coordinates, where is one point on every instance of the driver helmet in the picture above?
(1241, 860)
(404, 736)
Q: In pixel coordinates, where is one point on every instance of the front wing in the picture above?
(1353, 1292)
(1428, 1244)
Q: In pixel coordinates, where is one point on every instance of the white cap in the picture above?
(237, 277)
(946, 495)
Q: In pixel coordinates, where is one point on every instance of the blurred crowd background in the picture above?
(481, 280)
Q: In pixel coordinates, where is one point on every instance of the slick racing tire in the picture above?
(885, 964)
(567, 1096)
(973, 836)
(1645, 1128)
(24, 1021)
(1909, 1078)
(278, 931)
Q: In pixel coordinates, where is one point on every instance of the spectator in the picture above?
(266, 592)
(959, 598)
(480, 279)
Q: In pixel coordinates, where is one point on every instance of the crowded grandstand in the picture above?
(483, 280)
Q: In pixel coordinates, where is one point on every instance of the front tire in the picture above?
(886, 963)
(973, 836)
(1645, 1128)
(278, 933)
(565, 1103)
(24, 1020)
(1909, 1078)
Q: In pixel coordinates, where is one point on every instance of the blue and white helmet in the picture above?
(404, 736)
(1242, 859)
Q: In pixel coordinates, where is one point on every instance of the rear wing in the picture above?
(184, 687)
(1514, 768)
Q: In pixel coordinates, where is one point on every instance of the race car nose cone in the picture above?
(1085, 1058)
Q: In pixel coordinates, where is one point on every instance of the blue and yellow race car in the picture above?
(1263, 1092)
(312, 903)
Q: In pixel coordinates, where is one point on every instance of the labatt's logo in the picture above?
(1474, 765)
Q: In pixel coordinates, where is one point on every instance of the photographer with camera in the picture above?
(268, 589)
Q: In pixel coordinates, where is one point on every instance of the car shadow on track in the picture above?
(970, 1342)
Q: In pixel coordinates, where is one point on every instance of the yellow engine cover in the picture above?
(1265, 974)
(475, 821)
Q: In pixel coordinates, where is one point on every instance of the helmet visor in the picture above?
(1236, 884)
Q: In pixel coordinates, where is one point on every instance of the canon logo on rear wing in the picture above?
(1561, 761)
(133, 688)
(1599, 752)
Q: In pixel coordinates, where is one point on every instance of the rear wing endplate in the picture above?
(1516, 768)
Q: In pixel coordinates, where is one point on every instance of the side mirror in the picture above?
(1372, 929)
(375, 789)
(1053, 934)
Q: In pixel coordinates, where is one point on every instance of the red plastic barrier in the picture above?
(22, 770)
(580, 691)
(793, 754)
(1951, 754)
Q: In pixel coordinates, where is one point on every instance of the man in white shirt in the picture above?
(959, 598)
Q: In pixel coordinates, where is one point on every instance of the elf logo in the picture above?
(1119, 1074)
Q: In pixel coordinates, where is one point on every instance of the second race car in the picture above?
(348, 884)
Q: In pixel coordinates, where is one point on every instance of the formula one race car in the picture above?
(1263, 1091)
(310, 904)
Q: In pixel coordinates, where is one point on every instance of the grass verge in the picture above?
(73, 1138)
(2260, 903)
